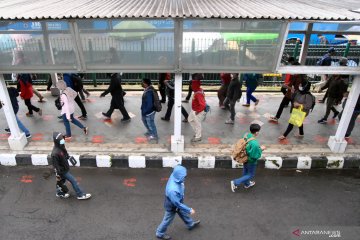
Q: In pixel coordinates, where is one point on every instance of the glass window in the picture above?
(298, 26)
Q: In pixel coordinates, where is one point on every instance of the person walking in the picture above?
(170, 91)
(13, 94)
(82, 90)
(162, 87)
(60, 156)
(337, 86)
(148, 110)
(254, 152)
(302, 99)
(74, 82)
(324, 61)
(225, 81)
(67, 97)
(26, 89)
(197, 114)
(251, 82)
(293, 86)
(117, 100)
(233, 95)
(174, 203)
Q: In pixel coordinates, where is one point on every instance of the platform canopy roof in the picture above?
(240, 9)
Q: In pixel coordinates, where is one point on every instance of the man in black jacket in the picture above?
(60, 156)
(233, 95)
(117, 100)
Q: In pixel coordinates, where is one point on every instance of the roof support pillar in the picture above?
(337, 143)
(17, 139)
(305, 44)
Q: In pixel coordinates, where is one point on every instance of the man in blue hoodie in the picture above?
(174, 203)
(148, 110)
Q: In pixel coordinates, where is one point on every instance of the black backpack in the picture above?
(77, 82)
(58, 103)
(156, 101)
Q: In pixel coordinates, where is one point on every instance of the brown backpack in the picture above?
(239, 153)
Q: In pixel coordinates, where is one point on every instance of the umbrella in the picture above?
(133, 25)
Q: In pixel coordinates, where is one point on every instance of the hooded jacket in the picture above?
(147, 104)
(234, 91)
(67, 97)
(198, 103)
(59, 155)
(26, 89)
(175, 191)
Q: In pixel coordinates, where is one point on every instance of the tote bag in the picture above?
(297, 116)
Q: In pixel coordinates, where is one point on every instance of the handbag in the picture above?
(72, 160)
(297, 116)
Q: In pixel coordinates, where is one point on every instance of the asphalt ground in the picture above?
(128, 204)
(215, 131)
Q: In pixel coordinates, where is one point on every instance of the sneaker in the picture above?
(29, 114)
(195, 139)
(87, 95)
(105, 115)
(252, 183)
(82, 117)
(246, 105)
(335, 115)
(165, 119)
(163, 101)
(60, 117)
(322, 121)
(28, 136)
(40, 112)
(196, 224)
(257, 102)
(147, 134)
(347, 137)
(86, 130)
(7, 130)
(63, 195)
(125, 120)
(85, 196)
(152, 138)
(185, 120)
(185, 101)
(233, 186)
(165, 237)
(229, 121)
(274, 119)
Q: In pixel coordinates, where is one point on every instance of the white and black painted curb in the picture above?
(271, 162)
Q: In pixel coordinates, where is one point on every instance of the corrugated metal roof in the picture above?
(251, 9)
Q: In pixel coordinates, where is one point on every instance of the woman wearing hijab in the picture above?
(301, 98)
(67, 97)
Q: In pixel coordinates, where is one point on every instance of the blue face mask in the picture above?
(62, 141)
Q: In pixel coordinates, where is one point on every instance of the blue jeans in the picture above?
(74, 184)
(67, 124)
(22, 127)
(249, 95)
(149, 123)
(248, 174)
(169, 217)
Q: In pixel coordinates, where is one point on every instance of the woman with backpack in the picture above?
(304, 100)
(67, 101)
(26, 89)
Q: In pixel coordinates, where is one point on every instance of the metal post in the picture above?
(337, 143)
(50, 58)
(347, 50)
(91, 51)
(17, 140)
(305, 44)
(177, 140)
(296, 49)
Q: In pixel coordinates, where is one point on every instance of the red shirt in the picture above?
(198, 103)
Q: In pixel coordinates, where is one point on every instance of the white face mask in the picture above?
(62, 141)
(301, 88)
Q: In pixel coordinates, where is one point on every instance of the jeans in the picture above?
(249, 95)
(22, 127)
(30, 106)
(170, 107)
(290, 128)
(67, 124)
(285, 101)
(231, 106)
(118, 105)
(169, 217)
(149, 123)
(248, 173)
(74, 184)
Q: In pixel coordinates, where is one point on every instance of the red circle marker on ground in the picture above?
(214, 140)
(97, 139)
(141, 140)
(26, 179)
(129, 182)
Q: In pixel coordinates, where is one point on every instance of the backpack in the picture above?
(77, 82)
(239, 153)
(156, 101)
(58, 103)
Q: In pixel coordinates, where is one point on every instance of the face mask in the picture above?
(62, 141)
(301, 88)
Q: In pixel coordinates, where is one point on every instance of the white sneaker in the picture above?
(252, 183)
(66, 195)
(233, 187)
(85, 196)
(229, 121)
